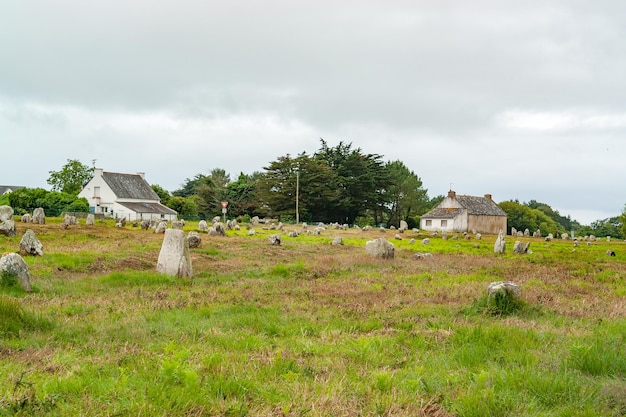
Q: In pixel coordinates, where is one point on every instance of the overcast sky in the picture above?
(521, 99)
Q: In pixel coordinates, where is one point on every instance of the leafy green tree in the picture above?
(316, 197)
(522, 217)
(360, 180)
(242, 196)
(25, 200)
(186, 207)
(565, 222)
(204, 189)
(163, 194)
(71, 178)
(622, 220)
(611, 226)
(404, 194)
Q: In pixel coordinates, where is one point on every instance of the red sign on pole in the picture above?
(224, 204)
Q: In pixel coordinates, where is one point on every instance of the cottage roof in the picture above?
(8, 188)
(156, 208)
(477, 206)
(129, 186)
(480, 206)
(442, 213)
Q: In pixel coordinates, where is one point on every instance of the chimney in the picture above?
(488, 197)
(451, 194)
(142, 175)
(97, 172)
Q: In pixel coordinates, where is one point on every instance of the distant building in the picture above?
(124, 195)
(6, 189)
(464, 213)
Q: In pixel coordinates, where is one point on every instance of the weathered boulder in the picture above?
(403, 226)
(610, 253)
(254, 221)
(39, 216)
(91, 219)
(122, 221)
(500, 245)
(178, 224)
(174, 257)
(274, 239)
(397, 236)
(338, 241)
(13, 264)
(217, 229)
(161, 227)
(194, 239)
(7, 225)
(426, 241)
(145, 224)
(504, 287)
(380, 248)
(251, 232)
(27, 218)
(30, 245)
(422, 255)
(203, 226)
(520, 248)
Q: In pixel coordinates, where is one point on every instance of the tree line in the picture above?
(335, 184)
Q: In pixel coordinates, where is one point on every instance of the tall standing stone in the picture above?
(91, 219)
(500, 245)
(7, 224)
(39, 216)
(13, 264)
(30, 245)
(175, 257)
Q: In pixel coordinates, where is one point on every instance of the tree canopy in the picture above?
(71, 177)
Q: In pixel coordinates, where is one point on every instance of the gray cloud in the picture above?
(520, 100)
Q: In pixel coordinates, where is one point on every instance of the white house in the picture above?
(124, 195)
(6, 189)
(465, 213)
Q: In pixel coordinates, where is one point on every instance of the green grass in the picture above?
(310, 329)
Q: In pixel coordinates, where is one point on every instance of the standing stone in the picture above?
(27, 218)
(274, 239)
(444, 235)
(254, 221)
(203, 226)
(13, 264)
(403, 226)
(251, 232)
(504, 287)
(30, 245)
(161, 227)
(397, 236)
(337, 241)
(39, 217)
(426, 241)
(478, 236)
(175, 258)
(7, 225)
(178, 224)
(145, 224)
(520, 248)
(91, 220)
(194, 239)
(380, 248)
(217, 229)
(500, 245)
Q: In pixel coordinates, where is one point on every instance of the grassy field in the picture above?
(310, 329)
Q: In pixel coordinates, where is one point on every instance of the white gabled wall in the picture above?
(106, 202)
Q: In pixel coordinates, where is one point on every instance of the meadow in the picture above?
(310, 329)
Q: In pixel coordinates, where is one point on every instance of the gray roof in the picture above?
(5, 188)
(129, 186)
(477, 206)
(442, 213)
(152, 208)
(480, 206)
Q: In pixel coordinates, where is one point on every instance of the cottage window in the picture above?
(444, 223)
(429, 222)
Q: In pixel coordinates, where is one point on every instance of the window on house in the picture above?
(96, 191)
(444, 223)
(429, 222)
